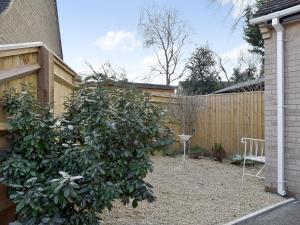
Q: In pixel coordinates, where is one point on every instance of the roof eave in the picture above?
(240, 86)
(278, 14)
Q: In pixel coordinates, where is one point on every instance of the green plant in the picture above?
(200, 151)
(67, 170)
(218, 152)
(237, 159)
(168, 151)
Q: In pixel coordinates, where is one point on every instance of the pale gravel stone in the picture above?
(203, 193)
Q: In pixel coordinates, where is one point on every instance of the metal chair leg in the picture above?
(257, 175)
(243, 177)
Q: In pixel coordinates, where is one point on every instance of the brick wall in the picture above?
(31, 21)
(292, 110)
(270, 110)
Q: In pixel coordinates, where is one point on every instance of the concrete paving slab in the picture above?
(288, 214)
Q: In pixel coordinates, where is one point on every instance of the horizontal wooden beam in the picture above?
(18, 72)
(13, 52)
(63, 81)
(64, 66)
(20, 46)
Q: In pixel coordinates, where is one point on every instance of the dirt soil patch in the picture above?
(204, 192)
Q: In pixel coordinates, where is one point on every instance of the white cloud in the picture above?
(123, 40)
(238, 6)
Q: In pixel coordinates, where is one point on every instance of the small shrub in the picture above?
(68, 170)
(237, 159)
(197, 152)
(168, 151)
(200, 150)
(218, 152)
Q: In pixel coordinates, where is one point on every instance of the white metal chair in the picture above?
(254, 150)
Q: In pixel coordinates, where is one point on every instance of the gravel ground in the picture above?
(204, 192)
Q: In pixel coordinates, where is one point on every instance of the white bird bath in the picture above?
(184, 139)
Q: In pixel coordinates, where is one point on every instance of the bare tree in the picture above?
(185, 110)
(166, 34)
(221, 65)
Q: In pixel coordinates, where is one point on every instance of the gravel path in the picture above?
(204, 192)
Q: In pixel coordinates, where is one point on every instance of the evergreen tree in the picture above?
(204, 77)
(252, 33)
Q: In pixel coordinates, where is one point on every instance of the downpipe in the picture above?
(280, 106)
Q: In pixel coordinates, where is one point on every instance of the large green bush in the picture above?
(67, 170)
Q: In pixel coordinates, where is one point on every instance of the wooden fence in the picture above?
(46, 74)
(226, 118)
(223, 119)
(35, 65)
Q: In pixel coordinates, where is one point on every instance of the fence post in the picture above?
(45, 79)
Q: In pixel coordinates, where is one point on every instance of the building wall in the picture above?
(31, 21)
(292, 110)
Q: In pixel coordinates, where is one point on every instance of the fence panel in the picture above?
(64, 84)
(223, 118)
(226, 118)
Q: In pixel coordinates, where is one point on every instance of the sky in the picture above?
(97, 31)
